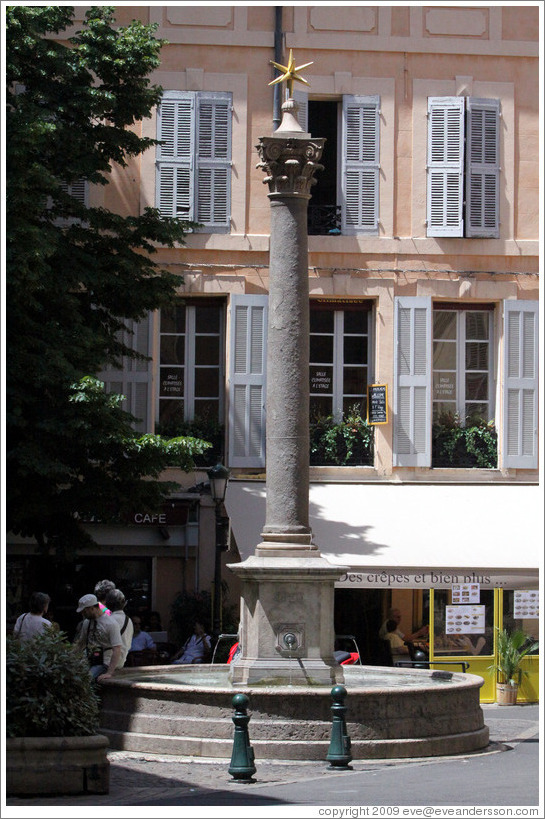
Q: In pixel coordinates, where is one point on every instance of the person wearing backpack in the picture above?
(116, 601)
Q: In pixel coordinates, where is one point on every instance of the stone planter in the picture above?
(506, 694)
(57, 765)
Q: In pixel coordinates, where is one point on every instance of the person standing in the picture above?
(99, 632)
(116, 602)
(33, 622)
(101, 590)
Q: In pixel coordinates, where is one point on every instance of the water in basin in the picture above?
(354, 677)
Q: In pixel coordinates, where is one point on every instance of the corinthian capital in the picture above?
(290, 164)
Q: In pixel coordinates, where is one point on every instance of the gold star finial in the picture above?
(290, 73)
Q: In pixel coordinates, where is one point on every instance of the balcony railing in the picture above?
(324, 220)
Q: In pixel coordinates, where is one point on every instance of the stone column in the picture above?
(287, 629)
(290, 159)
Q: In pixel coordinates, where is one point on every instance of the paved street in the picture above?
(505, 774)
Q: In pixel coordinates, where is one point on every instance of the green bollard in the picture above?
(339, 754)
(242, 759)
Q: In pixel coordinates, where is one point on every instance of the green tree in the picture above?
(77, 274)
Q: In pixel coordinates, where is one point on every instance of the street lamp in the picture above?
(218, 477)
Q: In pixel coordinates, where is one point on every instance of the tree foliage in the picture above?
(77, 274)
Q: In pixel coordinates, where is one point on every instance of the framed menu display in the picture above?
(377, 403)
(466, 593)
(464, 619)
(526, 604)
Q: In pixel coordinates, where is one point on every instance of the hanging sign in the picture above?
(464, 619)
(526, 605)
(466, 593)
(377, 403)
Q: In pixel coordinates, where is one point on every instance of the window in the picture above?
(191, 363)
(463, 167)
(462, 364)
(339, 359)
(444, 360)
(346, 197)
(194, 160)
(461, 640)
(77, 189)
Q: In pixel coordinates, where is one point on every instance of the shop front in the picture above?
(151, 558)
(440, 555)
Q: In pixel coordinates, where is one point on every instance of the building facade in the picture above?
(423, 286)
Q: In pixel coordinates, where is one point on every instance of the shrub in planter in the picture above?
(52, 717)
(511, 650)
(348, 442)
(49, 691)
(473, 445)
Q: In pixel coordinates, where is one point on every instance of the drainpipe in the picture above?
(277, 99)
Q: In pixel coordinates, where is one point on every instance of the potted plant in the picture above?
(511, 650)
(52, 714)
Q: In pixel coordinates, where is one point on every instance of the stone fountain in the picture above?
(287, 666)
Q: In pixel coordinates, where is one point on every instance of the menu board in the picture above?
(526, 605)
(464, 619)
(377, 404)
(466, 593)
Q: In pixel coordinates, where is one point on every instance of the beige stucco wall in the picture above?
(404, 54)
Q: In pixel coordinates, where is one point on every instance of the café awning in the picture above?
(389, 534)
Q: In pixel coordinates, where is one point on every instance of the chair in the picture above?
(418, 657)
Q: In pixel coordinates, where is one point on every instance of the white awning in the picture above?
(412, 534)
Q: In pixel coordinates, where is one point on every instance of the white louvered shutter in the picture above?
(175, 158)
(445, 166)
(360, 164)
(134, 380)
(247, 380)
(482, 168)
(412, 381)
(520, 389)
(301, 98)
(77, 189)
(214, 160)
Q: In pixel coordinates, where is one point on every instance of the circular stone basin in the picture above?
(390, 713)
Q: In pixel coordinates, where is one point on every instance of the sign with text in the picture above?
(321, 380)
(464, 619)
(466, 593)
(526, 604)
(172, 382)
(377, 403)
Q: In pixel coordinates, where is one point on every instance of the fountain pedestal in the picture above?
(287, 622)
(287, 586)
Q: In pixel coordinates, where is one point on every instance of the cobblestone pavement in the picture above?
(137, 778)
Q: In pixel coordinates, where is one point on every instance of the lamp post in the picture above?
(218, 477)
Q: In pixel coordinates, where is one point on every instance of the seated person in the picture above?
(141, 640)
(195, 649)
(397, 646)
(395, 614)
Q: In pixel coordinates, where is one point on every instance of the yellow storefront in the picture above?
(411, 547)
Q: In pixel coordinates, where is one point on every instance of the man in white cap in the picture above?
(99, 632)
